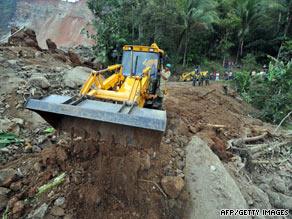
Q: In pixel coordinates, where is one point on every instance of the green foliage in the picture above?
(241, 80)
(8, 138)
(249, 63)
(272, 95)
(192, 31)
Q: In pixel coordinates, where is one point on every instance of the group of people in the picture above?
(229, 64)
(201, 77)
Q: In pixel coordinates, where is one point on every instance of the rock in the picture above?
(6, 174)
(39, 80)
(16, 186)
(74, 58)
(18, 208)
(172, 185)
(13, 63)
(146, 162)
(11, 202)
(25, 38)
(278, 184)
(37, 167)
(279, 200)
(60, 201)
(210, 191)
(68, 216)
(4, 191)
(39, 54)
(40, 212)
(18, 121)
(182, 141)
(258, 122)
(193, 129)
(14, 29)
(7, 125)
(77, 76)
(239, 99)
(180, 164)
(51, 45)
(36, 149)
(168, 171)
(178, 127)
(28, 149)
(57, 211)
(206, 138)
(3, 197)
(5, 150)
(98, 200)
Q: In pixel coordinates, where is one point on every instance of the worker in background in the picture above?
(201, 80)
(194, 79)
(207, 78)
(164, 76)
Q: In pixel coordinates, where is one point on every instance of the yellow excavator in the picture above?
(123, 108)
(189, 76)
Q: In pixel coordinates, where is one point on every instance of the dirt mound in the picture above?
(207, 112)
(103, 180)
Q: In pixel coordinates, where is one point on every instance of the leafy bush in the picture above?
(272, 94)
(249, 62)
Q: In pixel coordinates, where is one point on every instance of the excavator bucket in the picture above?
(120, 123)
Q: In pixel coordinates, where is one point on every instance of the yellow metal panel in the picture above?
(154, 47)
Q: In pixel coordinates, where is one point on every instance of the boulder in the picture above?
(279, 200)
(24, 38)
(210, 184)
(77, 76)
(172, 185)
(74, 58)
(5, 173)
(278, 184)
(51, 45)
(39, 80)
(3, 197)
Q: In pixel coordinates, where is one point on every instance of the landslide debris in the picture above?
(105, 180)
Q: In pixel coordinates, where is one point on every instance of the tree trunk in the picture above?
(279, 20)
(186, 50)
(288, 19)
(180, 43)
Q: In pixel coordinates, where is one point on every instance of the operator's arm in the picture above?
(164, 75)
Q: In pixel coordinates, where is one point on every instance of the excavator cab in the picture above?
(113, 109)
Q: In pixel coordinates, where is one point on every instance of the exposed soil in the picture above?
(107, 180)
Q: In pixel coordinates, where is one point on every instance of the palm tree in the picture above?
(195, 14)
(248, 12)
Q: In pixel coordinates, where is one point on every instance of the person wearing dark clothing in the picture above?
(194, 79)
(207, 78)
(201, 80)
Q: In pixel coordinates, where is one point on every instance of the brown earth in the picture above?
(106, 180)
